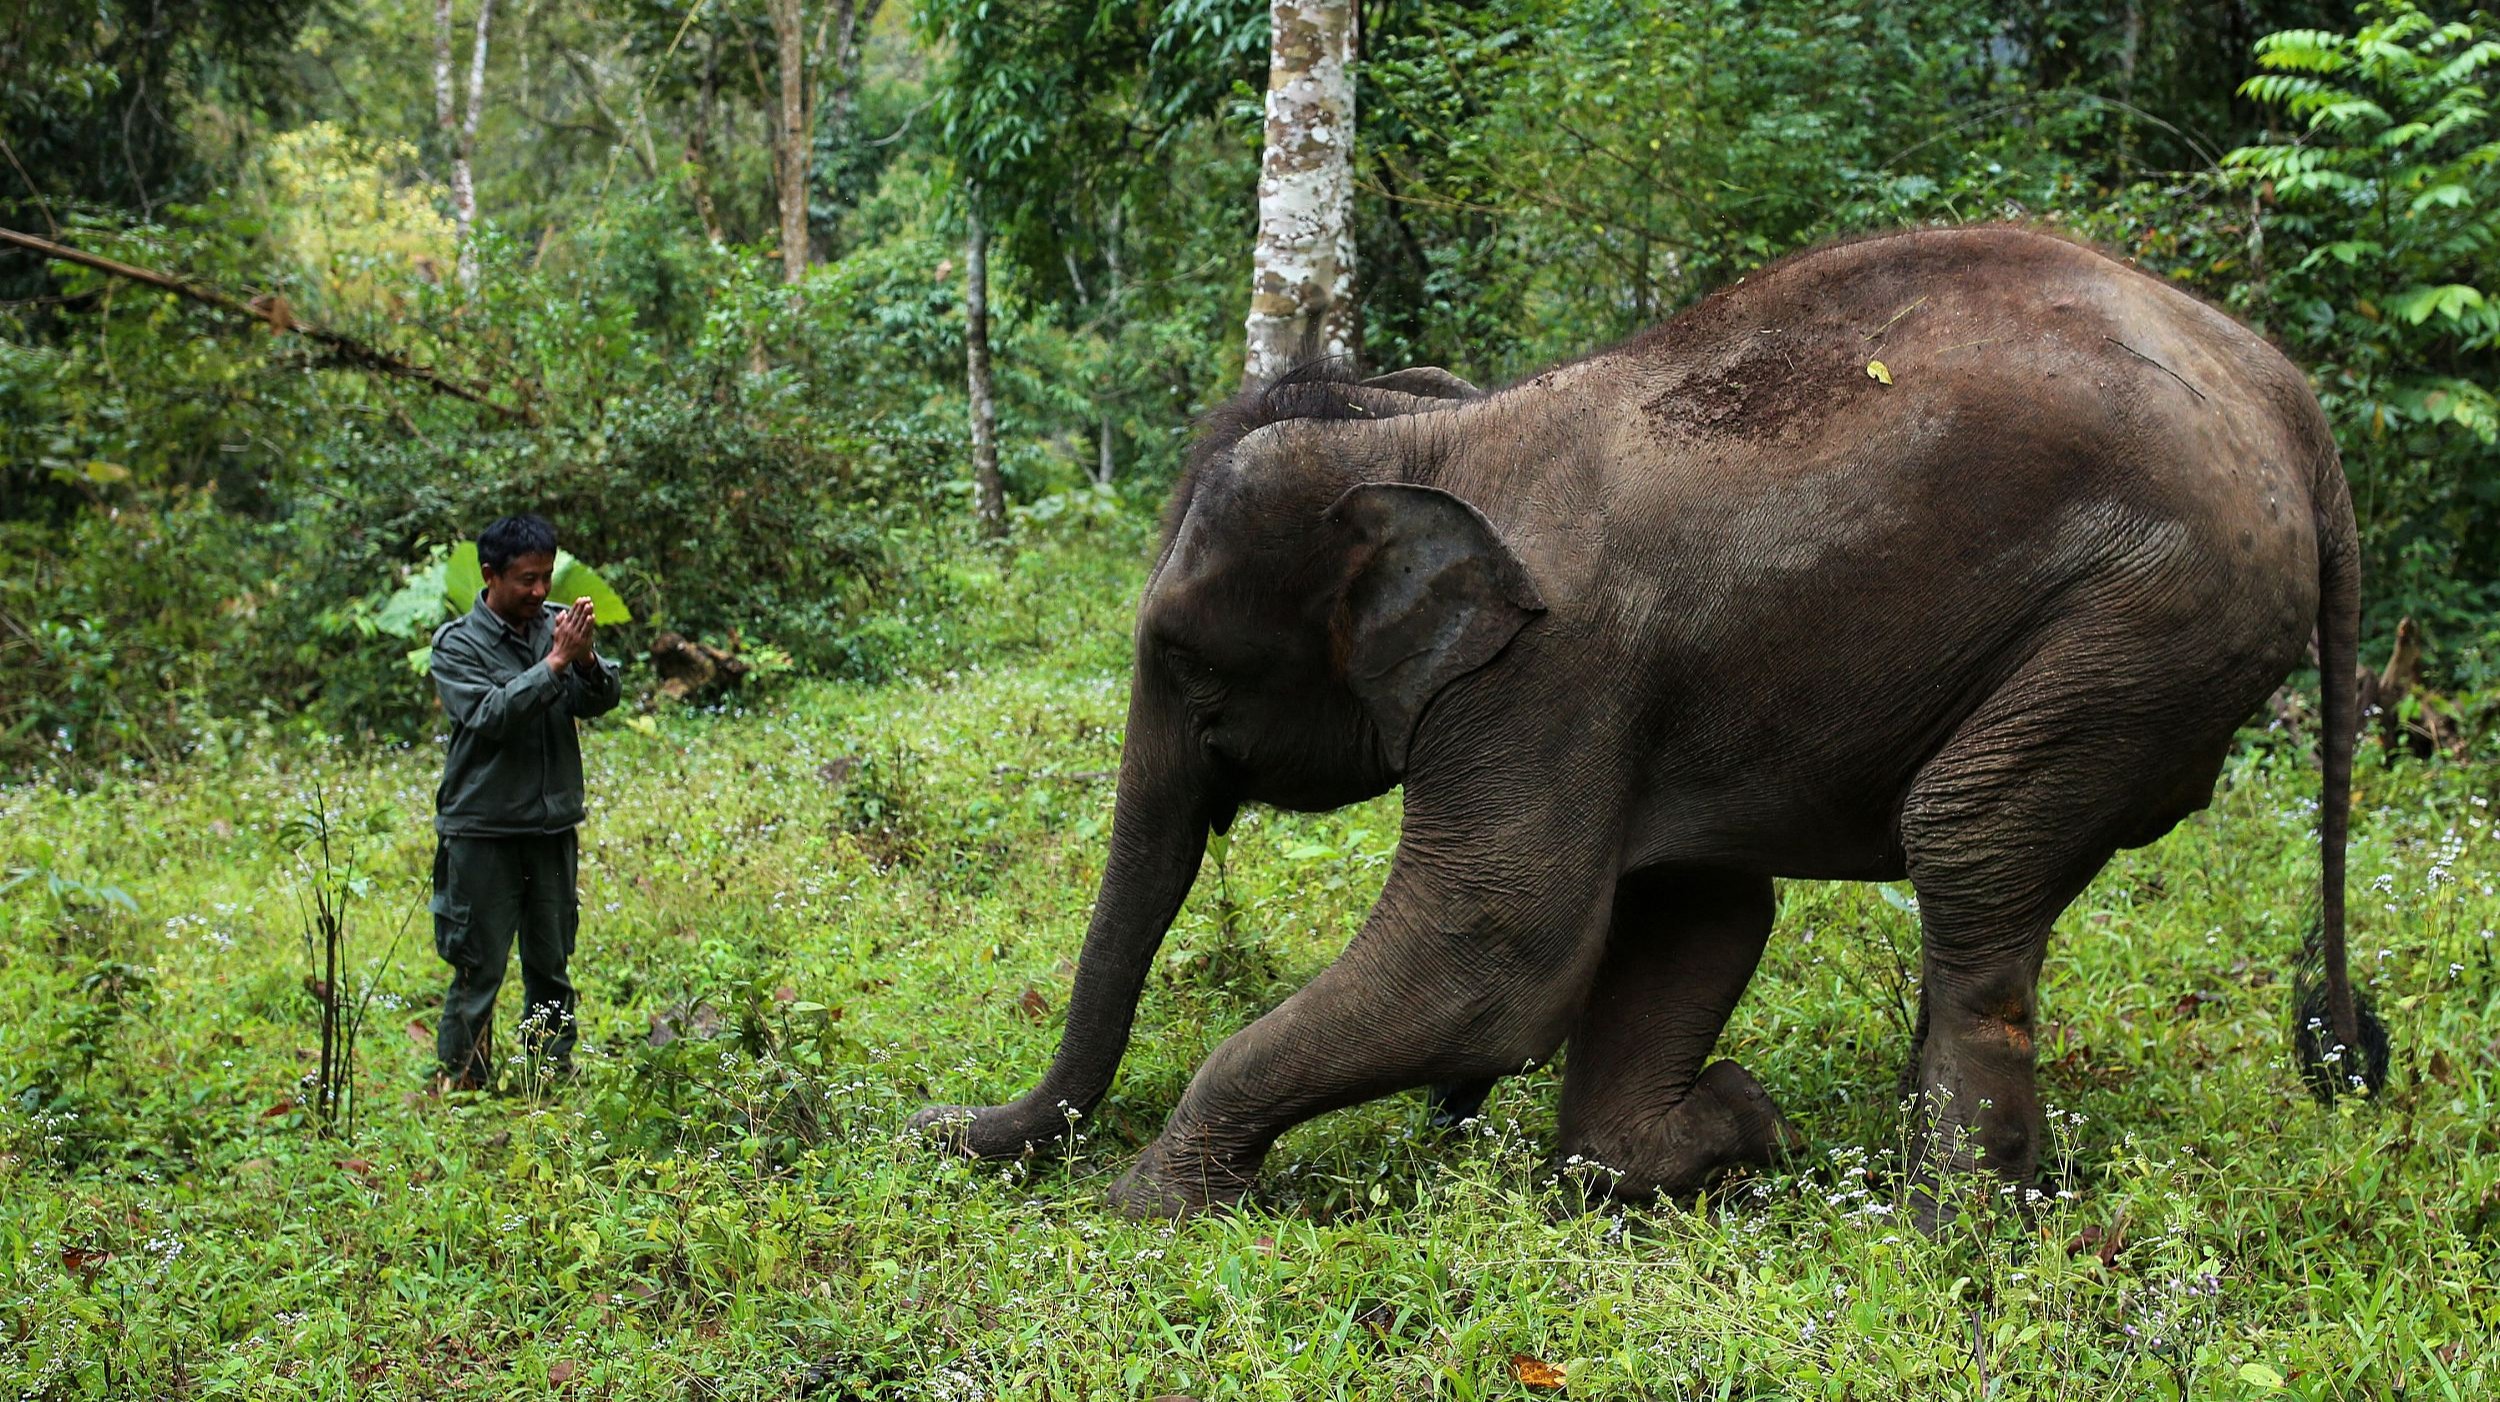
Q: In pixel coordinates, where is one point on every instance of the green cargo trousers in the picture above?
(487, 889)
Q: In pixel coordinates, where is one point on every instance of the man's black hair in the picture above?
(513, 537)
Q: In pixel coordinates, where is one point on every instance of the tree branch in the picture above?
(580, 63)
(279, 318)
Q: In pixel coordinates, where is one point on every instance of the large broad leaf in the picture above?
(417, 607)
(462, 579)
(575, 580)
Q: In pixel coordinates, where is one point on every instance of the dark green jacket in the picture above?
(515, 766)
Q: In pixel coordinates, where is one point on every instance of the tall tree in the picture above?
(1068, 117)
(462, 138)
(797, 127)
(1302, 270)
(698, 157)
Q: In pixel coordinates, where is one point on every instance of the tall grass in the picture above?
(808, 916)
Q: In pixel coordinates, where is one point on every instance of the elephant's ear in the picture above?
(1433, 593)
(1426, 382)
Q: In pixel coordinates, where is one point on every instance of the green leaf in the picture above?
(2259, 1375)
(2450, 301)
(2346, 112)
(575, 580)
(417, 606)
(2449, 196)
(463, 580)
(2345, 251)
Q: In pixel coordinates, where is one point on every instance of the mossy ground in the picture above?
(845, 902)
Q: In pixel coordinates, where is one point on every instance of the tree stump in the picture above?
(2432, 727)
(691, 670)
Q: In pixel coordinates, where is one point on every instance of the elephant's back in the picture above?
(1848, 346)
(2018, 402)
(1971, 440)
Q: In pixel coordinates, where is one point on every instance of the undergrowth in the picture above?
(809, 916)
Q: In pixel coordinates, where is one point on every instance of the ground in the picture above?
(806, 917)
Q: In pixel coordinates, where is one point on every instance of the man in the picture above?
(514, 673)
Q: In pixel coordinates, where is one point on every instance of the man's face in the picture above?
(516, 591)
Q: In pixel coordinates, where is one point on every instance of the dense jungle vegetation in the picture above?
(295, 294)
(205, 514)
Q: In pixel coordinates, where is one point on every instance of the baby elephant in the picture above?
(1954, 555)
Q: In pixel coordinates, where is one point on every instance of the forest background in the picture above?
(552, 244)
(295, 294)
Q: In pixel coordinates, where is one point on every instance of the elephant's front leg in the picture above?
(1465, 970)
(1637, 1101)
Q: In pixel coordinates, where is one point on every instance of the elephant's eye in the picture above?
(1197, 679)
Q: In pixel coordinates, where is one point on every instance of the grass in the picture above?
(807, 918)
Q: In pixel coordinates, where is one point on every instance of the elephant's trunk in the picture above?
(1158, 835)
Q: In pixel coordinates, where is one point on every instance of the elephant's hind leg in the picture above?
(2089, 748)
(1637, 1100)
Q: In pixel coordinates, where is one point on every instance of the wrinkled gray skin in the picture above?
(1653, 628)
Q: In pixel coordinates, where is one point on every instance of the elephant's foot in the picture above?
(1946, 1184)
(1725, 1124)
(992, 1131)
(1166, 1183)
(1456, 1102)
(1978, 1148)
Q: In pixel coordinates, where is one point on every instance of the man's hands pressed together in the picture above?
(575, 628)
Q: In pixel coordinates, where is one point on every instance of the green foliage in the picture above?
(2381, 228)
(218, 522)
(718, 499)
(725, 1192)
(446, 584)
(93, 99)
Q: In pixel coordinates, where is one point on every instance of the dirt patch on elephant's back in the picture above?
(1765, 383)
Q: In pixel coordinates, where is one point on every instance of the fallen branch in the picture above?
(272, 309)
(2433, 726)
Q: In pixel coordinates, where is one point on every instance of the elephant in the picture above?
(1953, 555)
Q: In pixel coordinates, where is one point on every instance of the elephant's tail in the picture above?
(2340, 1042)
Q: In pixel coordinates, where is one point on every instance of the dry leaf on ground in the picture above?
(1537, 1373)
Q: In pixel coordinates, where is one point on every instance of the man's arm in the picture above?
(473, 697)
(593, 686)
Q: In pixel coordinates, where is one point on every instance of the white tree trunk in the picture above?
(442, 68)
(445, 121)
(462, 138)
(1340, 318)
(989, 496)
(1302, 271)
(797, 138)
